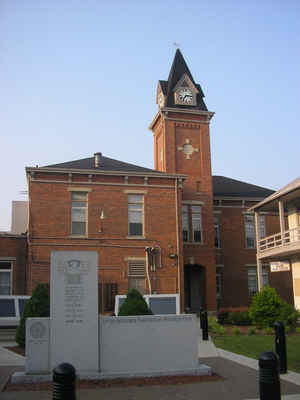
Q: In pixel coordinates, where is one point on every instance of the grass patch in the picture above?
(253, 346)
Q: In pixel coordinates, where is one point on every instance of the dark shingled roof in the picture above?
(106, 164)
(228, 187)
(179, 67)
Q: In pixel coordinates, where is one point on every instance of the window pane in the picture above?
(135, 198)
(138, 284)
(135, 217)
(196, 209)
(78, 228)
(78, 196)
(5, 265)
(196, 223)
(78, 214)
(136, 229)
(252, 281)
(250, 231)
(262, 226)
(135, 214)
(4, 283)
(185, 223)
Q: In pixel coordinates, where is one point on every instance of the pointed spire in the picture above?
(178, 69)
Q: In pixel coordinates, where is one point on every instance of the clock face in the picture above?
(161, 100)
(185, 95)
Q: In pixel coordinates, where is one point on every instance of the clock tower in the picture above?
(182, 146)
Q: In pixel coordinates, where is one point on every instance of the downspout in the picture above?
(177, 235)
(147, 268)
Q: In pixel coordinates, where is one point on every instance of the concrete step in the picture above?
(7, 334)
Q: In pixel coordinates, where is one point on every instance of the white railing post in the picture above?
(281, 219)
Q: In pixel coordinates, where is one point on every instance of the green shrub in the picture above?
(251, 331)
(37, 306)
(267, 307)
(236, 331)
(297, 330)
(239, 318)
(134, 304)
(268, 330)
(215, 327)
(289, 329)
(223, 317)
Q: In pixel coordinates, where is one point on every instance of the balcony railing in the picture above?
(287, 238)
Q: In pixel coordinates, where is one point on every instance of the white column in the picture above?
(258, 262)
(281, 218)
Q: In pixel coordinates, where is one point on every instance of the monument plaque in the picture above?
(74, 309)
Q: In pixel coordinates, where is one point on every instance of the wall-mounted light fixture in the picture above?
(102, 217)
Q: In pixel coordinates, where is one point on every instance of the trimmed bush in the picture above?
(297, 330)
(251, 331)
(223, 317)
(134, 304)
(268, 330)
(215, 327)
(236, 331)
(241, 318)
(267, 307)
(37, 306)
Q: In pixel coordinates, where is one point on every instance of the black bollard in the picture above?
(204, 325)
(64, 378)
(269, 382)
(201, 310)
(280, 346)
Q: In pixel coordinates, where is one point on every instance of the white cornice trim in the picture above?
(111, 173)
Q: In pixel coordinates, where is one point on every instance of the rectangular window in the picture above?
(79, 213)
(192, 223)
(135, 214)
(252, 279)
(5, 278)
(136, 275)
(250, 229)
(196, 223)
(262, 226)
(185, 223)
(217, 231)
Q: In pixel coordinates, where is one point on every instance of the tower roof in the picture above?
(178, 69)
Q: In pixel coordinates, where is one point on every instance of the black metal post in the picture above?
(64, 378)
(280, 346)
(204, 325)
(201, 317)
(269, 382)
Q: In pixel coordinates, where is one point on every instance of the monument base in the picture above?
(22, 377)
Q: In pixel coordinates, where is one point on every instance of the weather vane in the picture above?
(177, 45)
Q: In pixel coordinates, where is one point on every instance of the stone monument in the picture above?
(74, 336)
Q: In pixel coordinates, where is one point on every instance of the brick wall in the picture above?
(14, 248)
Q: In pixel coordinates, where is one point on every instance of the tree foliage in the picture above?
(267, 307)
(37, 306)
(134, 304)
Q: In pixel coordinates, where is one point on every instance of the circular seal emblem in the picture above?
(37, 330)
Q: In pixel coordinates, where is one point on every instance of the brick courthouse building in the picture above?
(174, 229)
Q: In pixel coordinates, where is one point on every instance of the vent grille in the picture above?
(136, 269)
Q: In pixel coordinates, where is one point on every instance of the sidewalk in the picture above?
(240, 381)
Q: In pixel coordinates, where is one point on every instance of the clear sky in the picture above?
(77, 77)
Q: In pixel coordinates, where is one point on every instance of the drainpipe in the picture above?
(177, 235)
(148, 249)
